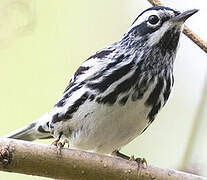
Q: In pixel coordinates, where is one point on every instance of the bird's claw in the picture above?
(55, 143)
(140, 161)
(60, 144)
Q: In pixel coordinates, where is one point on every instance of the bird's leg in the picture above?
(60, 144)
(65, 142)
(57, 141)
(132, 158)
(121, 155)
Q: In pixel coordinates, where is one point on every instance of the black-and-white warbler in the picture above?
(116, 93)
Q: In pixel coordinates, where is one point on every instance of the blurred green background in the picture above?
(43, 42)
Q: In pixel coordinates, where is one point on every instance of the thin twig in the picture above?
(195, 38)
(155, 2)
(47, 161)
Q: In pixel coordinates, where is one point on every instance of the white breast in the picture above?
(103, 128)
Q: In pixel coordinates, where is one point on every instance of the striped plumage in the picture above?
(116, 93)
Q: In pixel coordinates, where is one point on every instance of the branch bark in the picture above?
(44, 160)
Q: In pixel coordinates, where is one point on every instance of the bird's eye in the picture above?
(153, 19)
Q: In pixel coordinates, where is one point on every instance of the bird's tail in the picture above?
(36, 130)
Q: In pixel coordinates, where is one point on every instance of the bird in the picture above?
(116, 93)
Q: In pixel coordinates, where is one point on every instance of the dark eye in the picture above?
(153, 19)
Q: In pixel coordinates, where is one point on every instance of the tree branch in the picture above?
(191, 35)
(44, 160)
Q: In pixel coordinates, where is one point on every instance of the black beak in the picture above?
(184, 16)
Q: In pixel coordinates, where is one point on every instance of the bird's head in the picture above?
(154, 36)
(159, 26)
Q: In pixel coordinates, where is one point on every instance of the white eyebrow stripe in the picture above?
(144, 17)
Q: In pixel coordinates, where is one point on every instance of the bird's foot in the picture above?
(140, 161)
(60, 144)
(55, 143)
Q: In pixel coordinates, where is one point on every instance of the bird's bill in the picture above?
(184, 16)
